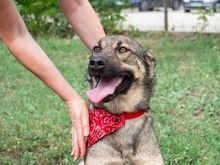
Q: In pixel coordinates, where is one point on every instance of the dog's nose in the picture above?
(97, 62)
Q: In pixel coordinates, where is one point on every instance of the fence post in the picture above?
(165, 14)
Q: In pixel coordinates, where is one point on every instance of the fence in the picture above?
(177, 21)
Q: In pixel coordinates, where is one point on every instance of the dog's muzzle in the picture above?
(110, 81)
(97, 62)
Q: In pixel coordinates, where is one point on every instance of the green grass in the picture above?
(35, 125)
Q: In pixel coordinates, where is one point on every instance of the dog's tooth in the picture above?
(119, 81)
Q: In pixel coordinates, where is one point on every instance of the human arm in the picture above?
(84, 21)
(15, 35)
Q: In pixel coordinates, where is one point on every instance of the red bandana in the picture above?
(103, 123)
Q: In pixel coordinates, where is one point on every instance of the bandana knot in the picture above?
(103, 123)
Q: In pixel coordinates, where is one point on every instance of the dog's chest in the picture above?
(128, 137)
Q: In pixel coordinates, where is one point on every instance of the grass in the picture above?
(35, 125)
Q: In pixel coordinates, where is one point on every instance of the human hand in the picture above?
(80, 125)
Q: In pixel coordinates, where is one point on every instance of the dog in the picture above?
(121, 77)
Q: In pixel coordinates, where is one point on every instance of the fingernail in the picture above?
(86, 132)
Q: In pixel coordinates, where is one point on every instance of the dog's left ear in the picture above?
(150, 62)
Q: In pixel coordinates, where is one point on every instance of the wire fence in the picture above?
(177, 21)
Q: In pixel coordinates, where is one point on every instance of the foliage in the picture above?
(109, 13)
(203, 18)
(35, 125)
(45, 17)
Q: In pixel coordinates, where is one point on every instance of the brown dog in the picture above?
(121, 76)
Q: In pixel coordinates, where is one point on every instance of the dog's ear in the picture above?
(150, 62)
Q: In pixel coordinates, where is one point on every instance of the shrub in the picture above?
(45, 18)
(109, 13)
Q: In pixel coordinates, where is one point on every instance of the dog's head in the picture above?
(121, 75)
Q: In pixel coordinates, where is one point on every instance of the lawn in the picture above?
(35, 125)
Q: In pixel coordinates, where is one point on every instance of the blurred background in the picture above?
(118, 16)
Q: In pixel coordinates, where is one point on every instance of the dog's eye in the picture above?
(96, 49)
(122, 49)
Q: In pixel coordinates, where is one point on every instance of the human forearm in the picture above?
(29, 53)
(84, 21)
(15, 35)
(11, 23)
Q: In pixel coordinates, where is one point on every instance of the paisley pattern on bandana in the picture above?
(102, 124)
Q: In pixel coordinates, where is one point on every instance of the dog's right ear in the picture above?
(150, 62)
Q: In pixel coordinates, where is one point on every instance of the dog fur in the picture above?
(136, 142)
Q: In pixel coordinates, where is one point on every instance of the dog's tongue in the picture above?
(105, 87)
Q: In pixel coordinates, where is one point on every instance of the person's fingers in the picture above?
(80, 126)
(76, 150)
(80, 140)
(85, 123)
(74, 139)
(85, 130)
(82, 146)
(75, 147)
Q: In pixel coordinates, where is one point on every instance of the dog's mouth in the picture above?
(107, 88)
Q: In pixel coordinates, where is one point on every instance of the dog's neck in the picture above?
(103, 123)
(127, 115)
